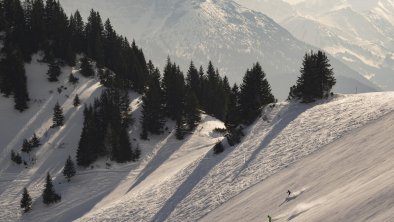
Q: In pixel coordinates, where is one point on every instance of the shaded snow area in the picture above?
(322, 152)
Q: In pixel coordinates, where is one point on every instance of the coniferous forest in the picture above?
(37, 26)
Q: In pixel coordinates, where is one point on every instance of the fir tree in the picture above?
(69, 169)
(152, 107)
(137, 153)
(53, 71)
(316, 80)
(218, 148)
(34, 141)
(76, 101)
(72, 79)
(26, 201)
(86, 148)
(192, 112)
(173, 87)
(255, 93)
(26, 147)
(15, 157)
(58, 118)
(180, 130)
(86, 67)
(49, 196)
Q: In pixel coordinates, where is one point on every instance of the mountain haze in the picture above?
(232, 36)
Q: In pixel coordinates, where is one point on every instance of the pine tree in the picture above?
(137, 153)
(15, 157)
(58, 118)
(316, 79)
(26, 201)
(218, 148)
(86, 67)
(69, 169)
(173, 87)
(49, 196)
(86, 147)
(26, 147)
(192, 112)
(72, 79)
(152, 107)
(255, 93)
(34, 141)
(233, 112)
(180, 130)
(76, 101)
(53, 71)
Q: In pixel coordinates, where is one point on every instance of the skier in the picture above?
(269, 218)
(289, 192)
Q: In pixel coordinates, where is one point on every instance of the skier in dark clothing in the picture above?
(269, 218)
(289, 192)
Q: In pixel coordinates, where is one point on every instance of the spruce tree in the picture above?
(86, 67)
(316, 79)
(72, 79)
(180, 130)
(173, 87)
(26, 201)
(255, 93)
(58, 118)
(53, 72)
(76, 101)
(69, 169)
(192, 112)
(49, 196)
(218, 148)
(21, 95)
(152, 107)
(26, 147)
(34, 141)
(16, 157)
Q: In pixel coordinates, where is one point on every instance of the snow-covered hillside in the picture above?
(230, 35)
(348, 180)
(204, 182)
(358, 33)
(174, 180)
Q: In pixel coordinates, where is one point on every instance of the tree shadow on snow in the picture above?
(162, 155)
(294, 110)
(208, 162)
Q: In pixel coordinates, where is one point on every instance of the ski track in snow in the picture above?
(292, 132)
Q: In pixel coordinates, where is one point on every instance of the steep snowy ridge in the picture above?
(230, 35)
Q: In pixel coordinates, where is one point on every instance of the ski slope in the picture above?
(183, 180)
(291, 132)
(351, 179)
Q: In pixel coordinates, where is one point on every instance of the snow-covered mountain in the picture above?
(358, 33)
(230, 35)
(184, 180)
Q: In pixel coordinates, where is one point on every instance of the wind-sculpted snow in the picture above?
(290, 132)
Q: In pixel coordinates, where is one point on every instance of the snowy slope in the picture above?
(91, 186)
(230, 35)
(174, 180)
(358, 33)
(200, 182)
(348, 180)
